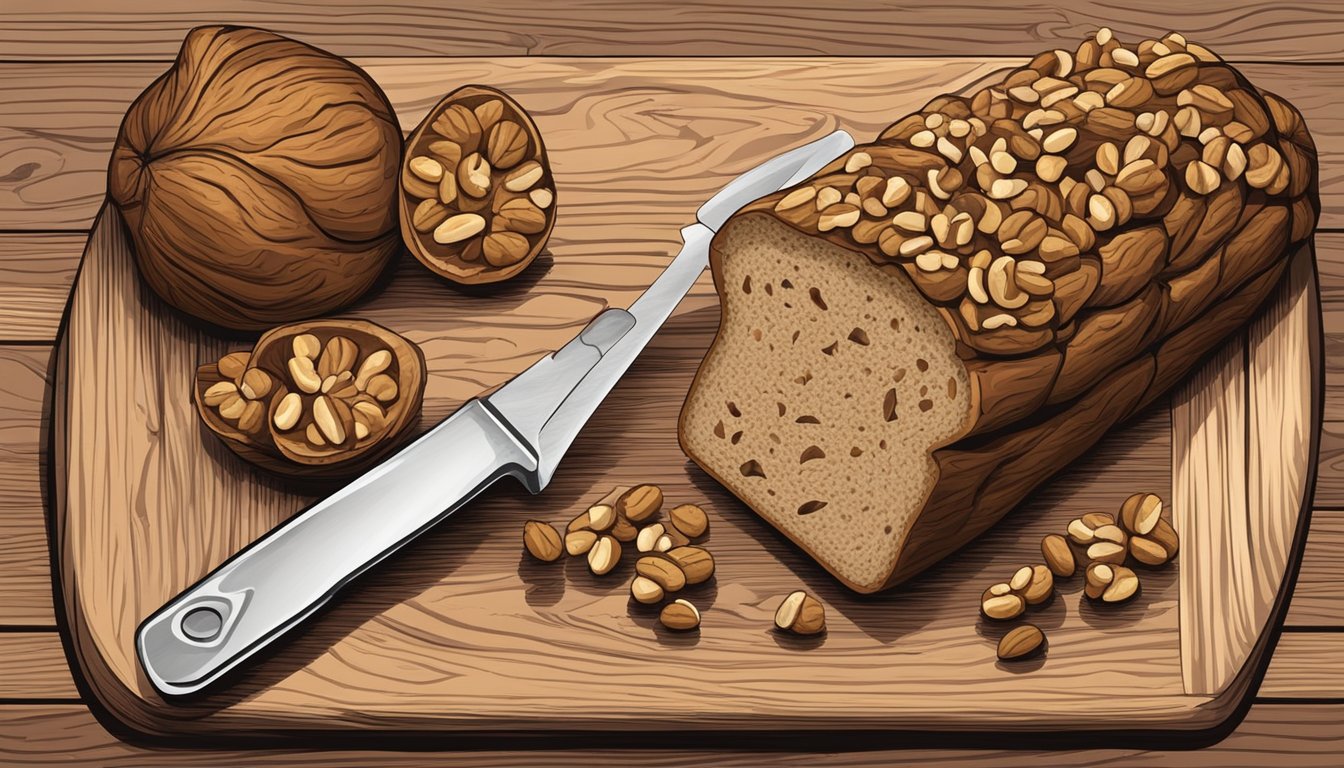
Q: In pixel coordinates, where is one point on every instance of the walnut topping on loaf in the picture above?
(993, 202)
(916, 336)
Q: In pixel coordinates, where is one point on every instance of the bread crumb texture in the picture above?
(820, 403)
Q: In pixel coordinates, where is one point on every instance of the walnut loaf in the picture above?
(933, 324)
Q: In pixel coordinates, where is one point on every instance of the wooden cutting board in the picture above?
(462, 632)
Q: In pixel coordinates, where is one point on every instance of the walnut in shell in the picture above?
(319, 400)
(257, 180)
(477, 199)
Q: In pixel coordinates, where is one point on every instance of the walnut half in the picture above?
(319, 400)
(477, 199)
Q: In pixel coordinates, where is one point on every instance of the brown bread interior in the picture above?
(821, 400)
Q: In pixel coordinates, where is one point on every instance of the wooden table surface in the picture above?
(69, 69)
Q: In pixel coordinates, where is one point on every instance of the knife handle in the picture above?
(283, 577)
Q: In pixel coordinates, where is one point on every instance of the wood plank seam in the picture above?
(1313, 628)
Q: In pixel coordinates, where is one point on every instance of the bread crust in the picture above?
(1132, 304)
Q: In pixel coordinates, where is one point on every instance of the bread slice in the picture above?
(828, 396)
(930, 326)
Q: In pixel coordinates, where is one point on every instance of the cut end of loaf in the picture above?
(827, 389)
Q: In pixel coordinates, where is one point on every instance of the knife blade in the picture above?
(522, 430)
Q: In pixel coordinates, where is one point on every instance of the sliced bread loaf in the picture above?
(918, 335)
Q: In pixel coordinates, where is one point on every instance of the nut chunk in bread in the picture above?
(933, 324)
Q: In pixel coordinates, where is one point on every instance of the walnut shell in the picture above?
(257, 179)
(356, 381)
(477, 201)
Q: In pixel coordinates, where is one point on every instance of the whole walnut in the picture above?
(258, 179)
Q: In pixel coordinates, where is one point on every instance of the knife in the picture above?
(522, 430)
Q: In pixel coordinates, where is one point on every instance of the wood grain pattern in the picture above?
(1283, 366)
(1330, 475)
(1305, 665)
(1241, 30)
(1330, 482)
(1306, 736)
(1318, 597)
(1209, 510)
(58, 121)
(36, 272)
(25, 572)
(32, 666)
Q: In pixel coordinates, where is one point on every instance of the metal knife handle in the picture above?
(281, 578)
